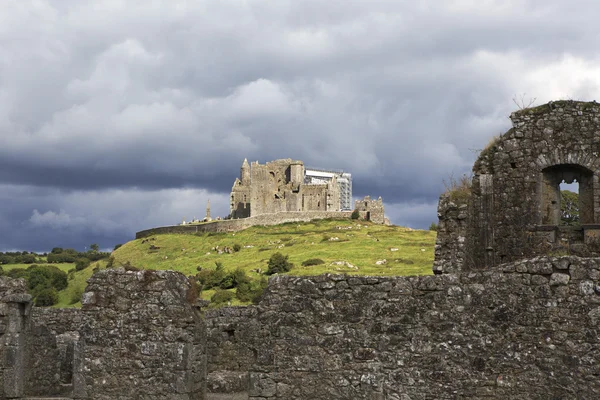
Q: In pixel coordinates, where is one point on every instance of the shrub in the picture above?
(45, 276)
(46, 297)
(82, 264)
(355, 214)
(312, 261)
(239, 276)
(111, 262)
(5, 259)
(221, 297)
(433, 227)
(237, 247)
(117, 246)
(278, 263)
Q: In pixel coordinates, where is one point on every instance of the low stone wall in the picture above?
(232, 346)
(142, 337)
(234, 225)
(528, 331)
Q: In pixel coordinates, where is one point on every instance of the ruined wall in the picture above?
(141, 338)
(516, 197)
(15, 307)
(450, 244)
(51, 340)
(233, 340)
(527, 332)
(371, 209)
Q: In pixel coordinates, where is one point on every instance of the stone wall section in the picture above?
(526, 331)
(232, 347)
(51, 342)
(15, 307)
(142, 338)
(450, 244)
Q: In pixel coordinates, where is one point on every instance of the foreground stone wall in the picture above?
(142, 338)
(232, 342)
(51, 340)
(528, 331)
(15, 307)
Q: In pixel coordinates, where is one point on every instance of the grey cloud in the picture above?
(103, 98)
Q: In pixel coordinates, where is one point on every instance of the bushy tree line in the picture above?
(43, 282)
(58, 255)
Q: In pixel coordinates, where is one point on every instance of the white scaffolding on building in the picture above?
(320, 176)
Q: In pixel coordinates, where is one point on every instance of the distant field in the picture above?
(361, 244)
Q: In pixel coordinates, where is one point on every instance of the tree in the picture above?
(355, 214)
(94, 247)
(278, 263)
(569, 207)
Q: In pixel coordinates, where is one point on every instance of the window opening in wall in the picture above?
(569, 203)
(567, 195)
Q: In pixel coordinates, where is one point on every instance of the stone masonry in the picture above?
(142, 338)
(514, 210)
(529, 331)
(279, 186)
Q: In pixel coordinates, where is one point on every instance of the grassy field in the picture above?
(346, 246)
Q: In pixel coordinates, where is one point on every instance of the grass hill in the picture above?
(337, 246)
(345, 246)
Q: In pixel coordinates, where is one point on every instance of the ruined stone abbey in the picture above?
(279, 186)
(512, 311)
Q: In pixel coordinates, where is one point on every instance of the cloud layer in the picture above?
(121, 115)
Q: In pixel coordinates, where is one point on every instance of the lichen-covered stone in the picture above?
(491, 334)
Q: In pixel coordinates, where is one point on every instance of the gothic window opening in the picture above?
(567, 195)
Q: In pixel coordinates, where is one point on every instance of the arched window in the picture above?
(556, 178)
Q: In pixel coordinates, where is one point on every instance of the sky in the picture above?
(118, 116)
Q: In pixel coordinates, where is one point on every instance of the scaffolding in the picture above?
(318, 176)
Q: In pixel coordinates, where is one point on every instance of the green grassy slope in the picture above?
(346, 247)
(359, 243)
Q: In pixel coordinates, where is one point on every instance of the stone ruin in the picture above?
(279, 186)
(513, 211)
(500, 319)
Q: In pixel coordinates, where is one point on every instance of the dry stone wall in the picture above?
(142, 338)
(527, 331)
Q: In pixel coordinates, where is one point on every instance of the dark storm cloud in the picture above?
(121, 115)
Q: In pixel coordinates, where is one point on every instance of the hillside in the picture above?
(345, 246)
